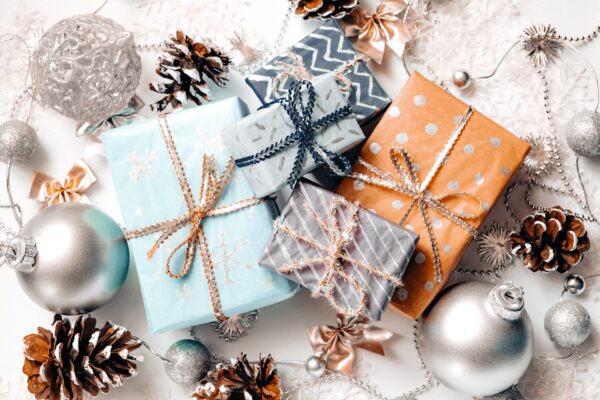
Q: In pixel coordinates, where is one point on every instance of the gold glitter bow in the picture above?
(298, 71)
(373, 32)
(410, 185)
(50, 191)
(211, 187)
(336, 259)
(336, 344)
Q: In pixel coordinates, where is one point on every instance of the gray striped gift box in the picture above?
(324, 51)
(373, 241)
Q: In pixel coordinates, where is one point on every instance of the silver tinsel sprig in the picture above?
(541, 44)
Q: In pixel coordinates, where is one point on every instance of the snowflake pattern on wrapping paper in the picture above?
(141, 167)
(227, 256)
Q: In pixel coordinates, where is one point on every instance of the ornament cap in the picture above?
(507, 300)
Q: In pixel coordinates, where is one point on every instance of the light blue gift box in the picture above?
(149, 192)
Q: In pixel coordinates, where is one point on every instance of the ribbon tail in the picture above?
(298, 164)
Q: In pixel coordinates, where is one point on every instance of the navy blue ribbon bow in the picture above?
(300, 112)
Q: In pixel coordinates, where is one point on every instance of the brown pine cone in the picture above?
(323, 9)
(553, 240)
(68, 360)
(241, 381)
(186, 66)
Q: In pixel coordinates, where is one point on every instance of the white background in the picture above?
(281, 328)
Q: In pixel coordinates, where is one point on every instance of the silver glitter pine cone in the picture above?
(568, 323)
(18, 141)
(583, 134)
(189, 361)
(477, 338)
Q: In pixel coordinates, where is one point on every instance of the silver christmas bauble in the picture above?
(189, 361)
(82, 259)
(476, 338)
(315, 366)
(86, 67)
(18, 141)
(568, 323)
(461, 79)
(509, 394)
(583, 133)
(574, 284)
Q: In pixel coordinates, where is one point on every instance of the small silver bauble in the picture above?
(315, 366)
(189, 362)
(509, 394)
(583, 134)
(461, 79)
(86, 67)
(568, 323)
(574, 284)
(477, 338)
(18, 141)
(82, 259)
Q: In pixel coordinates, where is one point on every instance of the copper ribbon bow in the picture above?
(334, 256)
(410, 185)
(211, 187)
(373, 32)
(298, 71)
(50, 191)
(336, 344)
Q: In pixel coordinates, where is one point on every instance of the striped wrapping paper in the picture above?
(374, 241)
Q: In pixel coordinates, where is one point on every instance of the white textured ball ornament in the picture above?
(86, 67)
(189, 361)
(461, 79)
(315, 366)
(18, 141)
(82, 259)
(476, 338)
(583, 134)
(568, 323)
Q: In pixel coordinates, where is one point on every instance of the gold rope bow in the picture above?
(211, 187)
(298, 71)
(334, 255)
(387, 26)
(71, 188)
(336, 344)
(410, 185)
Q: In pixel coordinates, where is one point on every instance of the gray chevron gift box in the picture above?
(325, 51)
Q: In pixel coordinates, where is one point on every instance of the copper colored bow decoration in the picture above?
(50, 191)
(386, 27)
(410, 185)
(211, 187)
(298, 71)
(336, 344)
(334, 261)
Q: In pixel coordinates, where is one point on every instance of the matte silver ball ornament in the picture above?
(189, 361)
(461, 79)
(574, 284)
(315, 366)
(508, 394)
(86, 67)
(568, 323)
(477, 338)
(583, 133)
(82, 259)
(18, 141)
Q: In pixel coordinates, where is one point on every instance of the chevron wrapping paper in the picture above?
(324, 51)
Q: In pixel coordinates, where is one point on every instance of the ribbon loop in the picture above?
(300, 110)
(71, 188)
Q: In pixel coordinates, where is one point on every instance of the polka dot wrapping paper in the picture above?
(421, 121)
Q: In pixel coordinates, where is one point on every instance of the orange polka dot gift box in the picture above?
(436, 166)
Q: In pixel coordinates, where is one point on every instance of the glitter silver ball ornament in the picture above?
(568, 324)
(509, 394)
(315, 366)
(583, 134)
(477, 338)
(18, 141)
(461, 79)
(574, 284)
(86, 67)
(189, 362)
(82, 259)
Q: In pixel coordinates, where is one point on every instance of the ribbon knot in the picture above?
(71, 188)
(421, 198)
(212, 186)
(300, 109)
(336, 344)
(335, 260)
